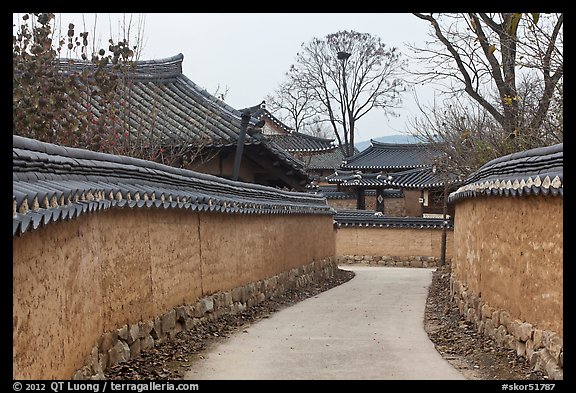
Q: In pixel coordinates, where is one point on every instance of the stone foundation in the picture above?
(387, 260)
(128, 341)
(542, 348)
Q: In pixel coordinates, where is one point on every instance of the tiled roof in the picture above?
(340, 176)
(365, 218)
(292, 141)
(358, 179)
(331, 192)
(385, 156)
(299, 142)
(51, 183)
(419, 178)
(163, 101)
(530, 172)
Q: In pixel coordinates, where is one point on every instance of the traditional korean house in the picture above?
(314, 152)
(161, 102)
(403, 176)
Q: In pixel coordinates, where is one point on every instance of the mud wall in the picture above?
(396, 242)
(509, 251)
(75, 280)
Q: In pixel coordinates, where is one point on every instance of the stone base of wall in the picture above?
(387, 260)
(543, 349)
(129, 341)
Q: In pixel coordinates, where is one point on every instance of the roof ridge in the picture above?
(164, 68)
(178, 58)
(376, 143)
(318, 138)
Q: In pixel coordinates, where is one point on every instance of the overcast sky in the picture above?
(248, 54)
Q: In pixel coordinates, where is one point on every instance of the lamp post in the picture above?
(444, 212)
(443, 168)
(444, 222)
(343, 56)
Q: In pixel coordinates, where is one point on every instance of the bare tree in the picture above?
(464, 131)
(293, 105)
(319, 128)
(479, 53)
(469, 135)
(342, 77)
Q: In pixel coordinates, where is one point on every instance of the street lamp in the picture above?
(444, 212)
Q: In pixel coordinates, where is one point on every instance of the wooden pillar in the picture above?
(360, 199)
(380, 200)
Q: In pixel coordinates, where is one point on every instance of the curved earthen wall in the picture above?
(509, 251)
(75, 280)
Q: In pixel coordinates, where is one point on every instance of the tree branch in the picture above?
(467, 81)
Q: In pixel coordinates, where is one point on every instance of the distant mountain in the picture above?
(398, 138)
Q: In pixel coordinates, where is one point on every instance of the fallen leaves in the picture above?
(458, 341)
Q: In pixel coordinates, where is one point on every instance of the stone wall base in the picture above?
(388, 260)
(129, 341)
(542, 348)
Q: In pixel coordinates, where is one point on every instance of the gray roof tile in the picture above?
(421, 178)
(331, 192)
(425, 177)
(97, 179)
(383, 156)
(538, 171)
(366, 218)
(163, 101)
(299, 142)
